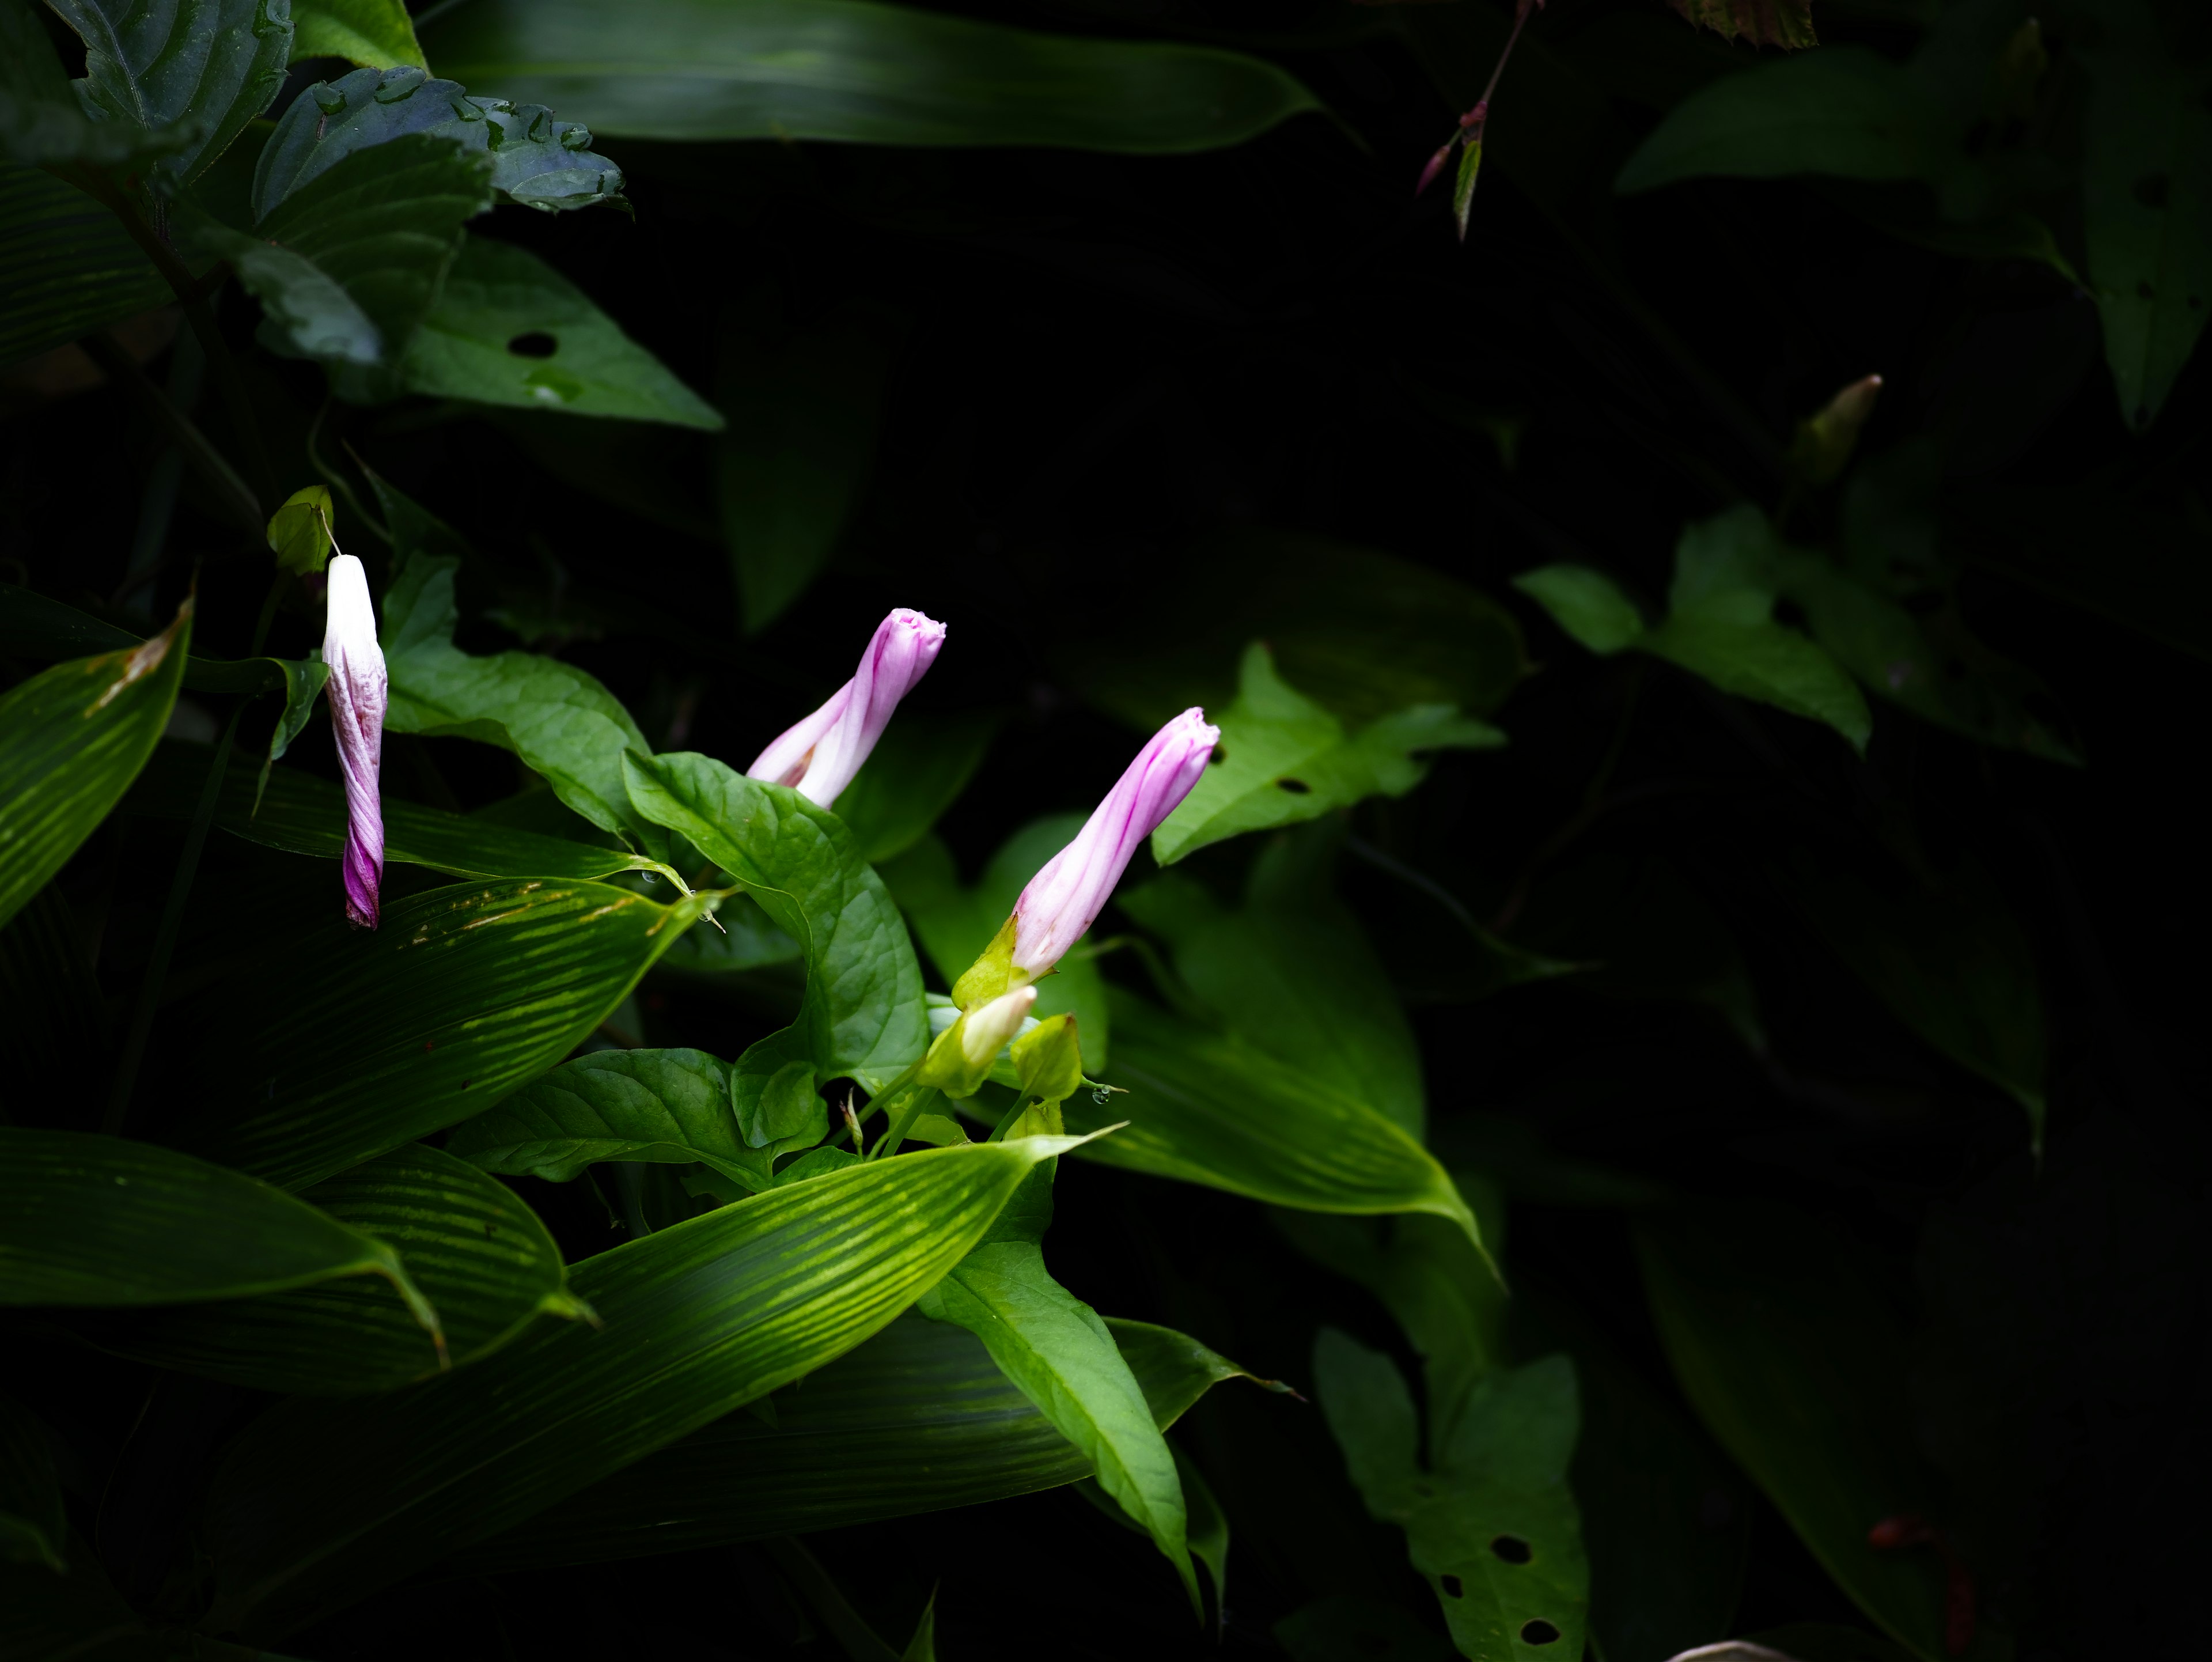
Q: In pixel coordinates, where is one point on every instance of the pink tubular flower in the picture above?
(821, 754)
(358, 693)
(1063, 900)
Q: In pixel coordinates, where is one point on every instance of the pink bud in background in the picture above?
(358, 694)
(821, 754)
(1065, 898)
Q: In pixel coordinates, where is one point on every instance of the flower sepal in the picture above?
(993, 974)
(963, 1056)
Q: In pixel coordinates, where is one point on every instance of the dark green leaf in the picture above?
(373, 33)
(1206, 1107)
(71, 740)
(1786, 23)
(1361, 632)
(557, 719)
(318, 1503)
(71, 267)
(52, 1014)
(2147, 201)
(804, 406)
(462, 995)
(33, 1524)
(693, 72)
(204, 67)
(41, 120)
(955, 924)
(471, 1247)
(1056, 1350)
(1492, 1524)
(535, 160)
(35, 625)
(303, 814)
(347, 266)
(670, 1107)
(1954, 966)
(99, 1222)
(1283, 759)
(863, 1009)
(509, 329)
(918, 1419)
(1800, 1372)
(922, 762)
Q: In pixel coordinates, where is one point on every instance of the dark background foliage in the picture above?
(1102, 369)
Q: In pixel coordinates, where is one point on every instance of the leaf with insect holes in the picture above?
(1784, 23)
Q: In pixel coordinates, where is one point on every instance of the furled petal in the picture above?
(1063, 900)
(358, 694)
(821, 754)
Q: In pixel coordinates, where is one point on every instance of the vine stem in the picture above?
(111, 196)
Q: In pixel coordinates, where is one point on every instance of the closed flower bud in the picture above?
(819, 756)
(1048, 1061)
(1824, 442)
(960, 1061)
(358, 694)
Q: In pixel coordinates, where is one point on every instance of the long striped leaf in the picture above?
(357, 1042)
(470, 1242)
(104, 1222)
(320, 1503)
(71, 740)
(859, 72)
(33, 1522)
(918, 1419)
(1206, 1107)
(71, 267)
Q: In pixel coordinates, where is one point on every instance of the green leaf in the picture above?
(42, 119)
(318, 1503)
(1283, 759)
(348, 265)
(2147, 201)
(303, 814)
(472, 1246)
(1730, 571)
(955, 924)
(1800, 1372)
(377, 34)
(203, 67)
(300, 531)
(1206, 1107)
(843, 69)
(32, 626)
(1291, 972)
(669, 1107)
(461, 996)
(71, 740)
(804, 406)
(534, 160)
(1954, 966)
(1053, 1347)
(71, 267)
(99, 1222)
(1785, 23)
(862, 1014)
(1361, 632)
(919, 768)
(509, 329)
(33, 1523)
(1493, 1524)
(918, 1419)
(557, 719)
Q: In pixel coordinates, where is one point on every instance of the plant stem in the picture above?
(165, 936)
(104, 191)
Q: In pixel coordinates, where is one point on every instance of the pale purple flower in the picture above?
(1063, 900)
(821, 754)
(358, 694)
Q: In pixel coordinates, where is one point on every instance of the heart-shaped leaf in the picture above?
(201, 68)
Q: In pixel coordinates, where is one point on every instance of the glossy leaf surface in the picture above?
(1283, 759)
(470, 1244)
(718, 69)
(318, 1503)
(459, 996)
(205, 67)
(71, 740)
(918, 1419)
(509, 329)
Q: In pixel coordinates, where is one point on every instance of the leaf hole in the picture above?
(1451, 1585)
(537, 344)
(1539, 1632)
(1296, 787)
(1512, 1549)
(1220, 755)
